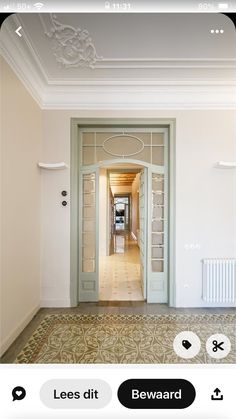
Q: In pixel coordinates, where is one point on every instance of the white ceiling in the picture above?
(123, 60)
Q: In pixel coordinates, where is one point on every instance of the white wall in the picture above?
(205, 197)
(21, 135)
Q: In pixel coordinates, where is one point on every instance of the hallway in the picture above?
(119, 273)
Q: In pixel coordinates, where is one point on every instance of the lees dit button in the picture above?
(156, 394)
(75, 394)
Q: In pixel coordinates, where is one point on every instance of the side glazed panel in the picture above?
(88, 236)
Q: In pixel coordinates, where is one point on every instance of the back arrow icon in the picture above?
(18, 31)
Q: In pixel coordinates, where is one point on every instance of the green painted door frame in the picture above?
(76, 124)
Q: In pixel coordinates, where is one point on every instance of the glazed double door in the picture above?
(153, 241)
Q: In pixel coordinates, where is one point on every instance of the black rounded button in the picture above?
(156, 394)
(64, 203)
(64, 193)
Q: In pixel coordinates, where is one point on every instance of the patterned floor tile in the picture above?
(122, 339)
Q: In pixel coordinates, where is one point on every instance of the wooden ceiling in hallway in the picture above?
(122, 179)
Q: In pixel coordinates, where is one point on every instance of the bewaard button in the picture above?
(156, 394)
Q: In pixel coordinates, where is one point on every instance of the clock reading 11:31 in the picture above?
(118, 6)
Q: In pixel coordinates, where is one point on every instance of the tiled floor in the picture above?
(119, 274)
(122, 339)
(105, 308)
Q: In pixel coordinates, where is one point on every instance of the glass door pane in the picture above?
(142, 228)
(88, 236)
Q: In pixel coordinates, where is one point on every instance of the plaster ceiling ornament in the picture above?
(133, 73)
(73, 47)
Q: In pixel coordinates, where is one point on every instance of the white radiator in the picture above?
(219, 280)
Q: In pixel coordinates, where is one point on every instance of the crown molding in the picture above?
(171, 63)
(178, 85)
(25, 69)
(141, 97)
(141, 82)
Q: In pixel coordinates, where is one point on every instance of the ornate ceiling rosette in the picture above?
(73, 47)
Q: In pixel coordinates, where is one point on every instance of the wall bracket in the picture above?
(53, 166)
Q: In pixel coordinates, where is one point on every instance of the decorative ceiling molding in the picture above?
(141, 97)
(150, 63)
(159, 84)
(73, 47)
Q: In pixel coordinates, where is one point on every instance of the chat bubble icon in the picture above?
(18, 393)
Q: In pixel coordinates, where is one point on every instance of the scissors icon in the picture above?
(217, 346)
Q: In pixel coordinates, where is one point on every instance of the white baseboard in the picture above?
(16, 332)
(55, 303)
(133, 235)
(205, 305)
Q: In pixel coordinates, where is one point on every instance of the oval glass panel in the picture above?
(123, 145)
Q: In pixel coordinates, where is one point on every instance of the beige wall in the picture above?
(205, 200)
(55, 224)
(207, 217)
(135, 205)
(21, 129)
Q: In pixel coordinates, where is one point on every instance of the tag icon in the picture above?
(186, 344)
